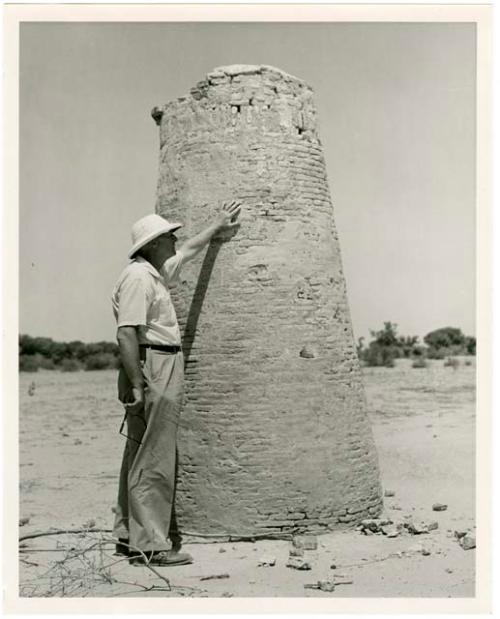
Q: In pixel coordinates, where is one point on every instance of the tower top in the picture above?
(249, 69)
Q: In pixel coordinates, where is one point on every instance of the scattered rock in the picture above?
(296, 552)
(459, 534)
(333, 566)
(77, 441)
(468, 541)
(65, 434)
(396, 507)
(439, 507)
(419, 549)
(267, 561)
(89, 524)
(448, 570)
(389, 493)
(369, 526)
(214, 576)
(227, 594)
(23, 521)
(297, 563)
(327, 584)
(222, 550)
(416, 529)
(390, 531)
(432, 526)
(306, 542)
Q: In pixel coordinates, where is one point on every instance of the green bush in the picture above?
(70, 365)
(28, 363)
(101, 361)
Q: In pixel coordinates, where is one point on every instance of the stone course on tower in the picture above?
(275, 436)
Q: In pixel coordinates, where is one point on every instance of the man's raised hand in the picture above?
(227, 218)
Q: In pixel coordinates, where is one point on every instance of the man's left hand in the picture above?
(227, 218)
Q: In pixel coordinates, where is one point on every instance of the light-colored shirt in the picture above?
(141, 298)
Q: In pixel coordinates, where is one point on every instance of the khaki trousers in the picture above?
(145, 513)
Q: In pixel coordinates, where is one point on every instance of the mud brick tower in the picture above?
(275, 436)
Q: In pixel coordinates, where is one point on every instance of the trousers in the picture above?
(145, 511)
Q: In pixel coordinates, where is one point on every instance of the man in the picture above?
(151, 386)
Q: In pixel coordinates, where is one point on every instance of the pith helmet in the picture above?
(148, 228)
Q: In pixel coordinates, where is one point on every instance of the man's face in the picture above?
(165, 245)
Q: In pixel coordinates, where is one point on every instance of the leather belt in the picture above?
(162, 347)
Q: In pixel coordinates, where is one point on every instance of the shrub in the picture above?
(69, 365)
(377, 355)
(470, 345)
(45, 362)
(419, 362)
(28, 363)
(452, 362)
(101, 361)
(445, 337)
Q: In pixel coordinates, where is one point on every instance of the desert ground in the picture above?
(424, 426)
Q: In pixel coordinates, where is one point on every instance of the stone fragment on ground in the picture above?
(267, 561)
(418, 549)
(328, 584)
(214, 577)
(390, 531)
(296, 552)
(389, 493)
(369, 526)
(467, 541)
(306, 542)
(23, 521)
(439, 507)
(416, 528)
(298, 563)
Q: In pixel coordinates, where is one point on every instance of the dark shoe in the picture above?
(163, 558)
(122, 547)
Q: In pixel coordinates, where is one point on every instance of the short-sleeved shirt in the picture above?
(141, 298)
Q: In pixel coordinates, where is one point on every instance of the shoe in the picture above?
(163, 558)
(122, 547)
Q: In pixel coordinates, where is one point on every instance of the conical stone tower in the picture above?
(275, 436)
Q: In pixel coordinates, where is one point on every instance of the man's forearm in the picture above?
(129, 352)
(198, 242)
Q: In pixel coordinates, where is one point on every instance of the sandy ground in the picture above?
(424, 426)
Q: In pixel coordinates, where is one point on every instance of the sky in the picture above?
(396, 105)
